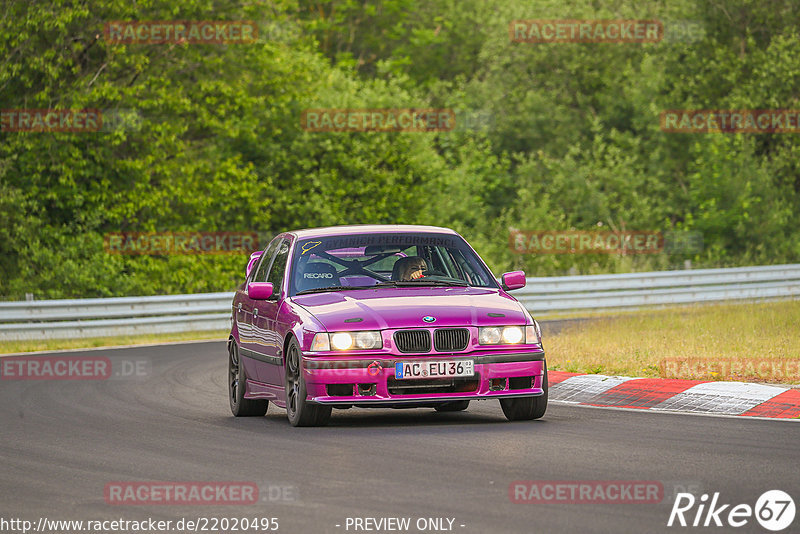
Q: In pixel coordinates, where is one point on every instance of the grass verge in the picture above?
(758, 342)
(7, 347)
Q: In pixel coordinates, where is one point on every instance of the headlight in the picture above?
(513, 334)
(507, 335)
(490, 335)
(341, 341)
(347, 341)
(321, 342)
(368, 340)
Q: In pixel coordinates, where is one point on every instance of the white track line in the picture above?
(583, 388)
(674, 412)
(720, 397)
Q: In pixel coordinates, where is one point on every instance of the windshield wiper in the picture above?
(421, 282)
(454, 283)
(330, 288)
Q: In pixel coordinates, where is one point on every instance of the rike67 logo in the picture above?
(774, 510)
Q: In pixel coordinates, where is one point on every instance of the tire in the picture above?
(452, 406)
(241, 407)
(527, 408)
(298, 410)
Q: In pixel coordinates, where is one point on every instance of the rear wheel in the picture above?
(453, 406)
(298, 410)
(241, 407)
(527, 408)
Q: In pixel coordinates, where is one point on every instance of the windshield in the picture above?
(385, 260)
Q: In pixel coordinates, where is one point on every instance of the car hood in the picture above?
(391, 308)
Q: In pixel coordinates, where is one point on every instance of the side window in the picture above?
(278, 270)
(260, 272)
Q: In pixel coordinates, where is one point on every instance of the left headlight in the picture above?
(507, 335)
(365, 340)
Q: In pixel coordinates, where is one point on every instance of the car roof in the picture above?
(369, 229)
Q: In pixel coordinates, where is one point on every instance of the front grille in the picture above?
(450, 339)
(435, 385)
(413, 341)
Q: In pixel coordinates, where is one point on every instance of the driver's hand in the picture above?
(417, 274)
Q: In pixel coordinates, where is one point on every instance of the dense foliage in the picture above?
(549, 136)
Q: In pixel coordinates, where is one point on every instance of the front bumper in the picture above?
(347, 381)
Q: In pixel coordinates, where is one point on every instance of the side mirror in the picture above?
(253, 259)
(259, 290)
(513, 280)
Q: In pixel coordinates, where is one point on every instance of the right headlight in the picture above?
(508, 335)
(340, 341)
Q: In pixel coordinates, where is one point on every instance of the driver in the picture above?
(410, 268)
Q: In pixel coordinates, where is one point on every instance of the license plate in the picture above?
(434, 369)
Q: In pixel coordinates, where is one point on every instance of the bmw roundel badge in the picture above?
(429, 319)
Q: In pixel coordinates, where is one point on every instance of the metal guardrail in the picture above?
(636, 290)
(115, 316)
(51, 319)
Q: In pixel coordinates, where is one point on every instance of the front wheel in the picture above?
(527, 408)
(299, 411)
(241, 407)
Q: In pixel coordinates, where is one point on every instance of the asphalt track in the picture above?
(61, 442)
